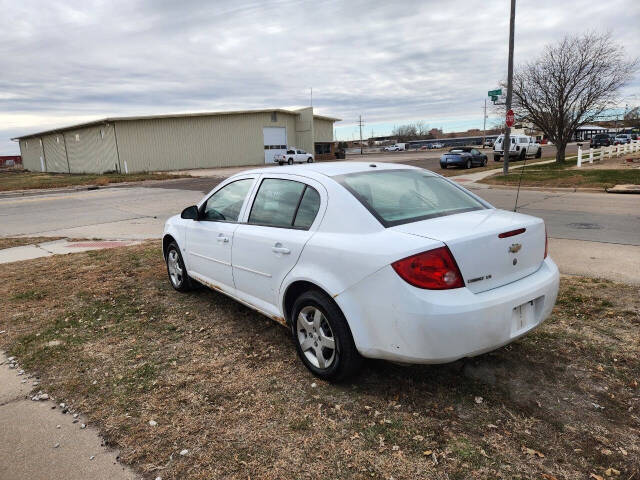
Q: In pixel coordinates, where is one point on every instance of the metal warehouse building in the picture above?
(176, 142)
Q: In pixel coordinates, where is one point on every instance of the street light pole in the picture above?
(506, 144)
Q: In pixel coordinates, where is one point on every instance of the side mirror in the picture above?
(190, 213)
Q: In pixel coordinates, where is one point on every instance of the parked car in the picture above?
(437, 145)
(398, 147)
(293, 155)
(363, 259)
(488, 142)
(622, 138)
(522, 146)
(600, 140)
(466, 157)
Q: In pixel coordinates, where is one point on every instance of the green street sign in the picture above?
(494, 98)
(495, 93)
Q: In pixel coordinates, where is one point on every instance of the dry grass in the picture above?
(17, 179)
(225, 383)
(10, 242)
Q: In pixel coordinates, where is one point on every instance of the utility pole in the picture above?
(506, 144)
(484, 124)
(312, 96)
(360, 124)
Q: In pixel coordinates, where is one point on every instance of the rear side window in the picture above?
(308, 209)
(396, 197)
(285, 203)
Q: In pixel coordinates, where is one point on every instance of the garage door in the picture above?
(275, 141)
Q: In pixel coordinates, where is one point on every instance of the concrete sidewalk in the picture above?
(39, 442)
(57, 247)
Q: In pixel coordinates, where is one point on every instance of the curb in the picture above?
(544, 189)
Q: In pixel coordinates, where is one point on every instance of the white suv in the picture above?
(522, 146)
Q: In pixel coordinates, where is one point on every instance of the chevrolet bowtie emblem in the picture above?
(515, 248)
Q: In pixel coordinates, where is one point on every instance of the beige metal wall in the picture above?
(197, 142)
(31, 151)
(92, 149)
(55, 153)
(322, 130)
(304, 129)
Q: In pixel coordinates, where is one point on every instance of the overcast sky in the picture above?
(393, 62)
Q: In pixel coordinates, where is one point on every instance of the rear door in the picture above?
(284, 213)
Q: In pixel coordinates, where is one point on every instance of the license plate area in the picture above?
(524, 316)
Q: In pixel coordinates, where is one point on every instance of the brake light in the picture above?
(433, 270)
(512, 233)
(546, 242)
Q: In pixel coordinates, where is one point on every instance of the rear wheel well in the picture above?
(166, 240)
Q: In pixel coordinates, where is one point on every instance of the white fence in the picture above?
(607, 152)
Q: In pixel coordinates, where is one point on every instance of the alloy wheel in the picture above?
(175, 270)
(315, 337)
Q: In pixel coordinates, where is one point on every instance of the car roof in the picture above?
(331, 169)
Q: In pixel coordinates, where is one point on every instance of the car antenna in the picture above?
(515, 207)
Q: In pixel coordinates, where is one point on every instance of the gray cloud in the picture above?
(390, 61)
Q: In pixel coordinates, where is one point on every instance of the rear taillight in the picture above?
(546, 242)
(434, 270)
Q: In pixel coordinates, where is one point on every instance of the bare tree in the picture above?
(570, 85)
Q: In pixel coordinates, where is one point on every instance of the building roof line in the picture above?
(103, 121)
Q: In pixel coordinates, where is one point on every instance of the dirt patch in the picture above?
(10, 242)
(23, 180)
(108, 335)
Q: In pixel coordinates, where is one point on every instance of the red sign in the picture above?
(510, 119)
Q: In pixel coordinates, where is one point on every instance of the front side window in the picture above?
(226, 203)
(284, 203)
(396, 197)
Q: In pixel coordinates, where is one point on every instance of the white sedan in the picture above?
(367, 260)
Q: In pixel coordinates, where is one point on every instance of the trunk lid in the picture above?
(485, 260)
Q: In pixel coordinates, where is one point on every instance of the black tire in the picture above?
(539, 153)
(280, 163)
(184, 284)
(443, 166)
(290, 161)
(468, 164)
(346, 359)
(309, 160)
(496, 158)
(523, 155)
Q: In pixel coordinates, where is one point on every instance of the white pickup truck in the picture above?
(522, 146)
(293, 155)
(397, 147)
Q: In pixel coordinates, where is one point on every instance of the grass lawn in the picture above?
(220, 380)
(16, 179)
(560, 175)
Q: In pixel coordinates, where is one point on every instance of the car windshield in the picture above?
(401, 196)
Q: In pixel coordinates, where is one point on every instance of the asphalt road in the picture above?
(140, 212)
(430, 159)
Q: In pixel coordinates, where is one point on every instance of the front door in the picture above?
(268, 246)
(210, 238)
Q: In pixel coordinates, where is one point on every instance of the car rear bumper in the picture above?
(453, 161)
(392, 320)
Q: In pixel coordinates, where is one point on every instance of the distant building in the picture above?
(177, 142)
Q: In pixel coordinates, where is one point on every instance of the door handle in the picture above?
(278, 248)
(223, 238)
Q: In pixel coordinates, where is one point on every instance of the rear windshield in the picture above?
(396, 197)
